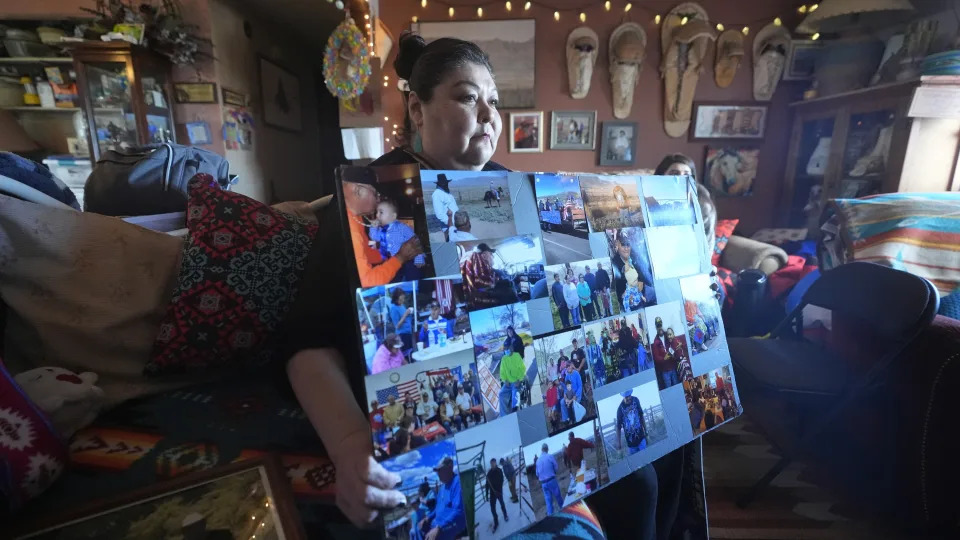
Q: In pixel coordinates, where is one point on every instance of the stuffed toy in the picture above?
(71, 401)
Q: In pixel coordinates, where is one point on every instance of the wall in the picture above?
(755, 212)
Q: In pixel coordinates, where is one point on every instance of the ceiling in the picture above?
(310, 21)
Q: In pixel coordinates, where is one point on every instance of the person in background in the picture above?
(390, 235)
(466, 408)
(603, 290)
(402, 318)
(513, 341)
(586, 298)
(595, 359)
(478, 273)
(434, 326)
(468, 387)
(591, 280)
(495, 493)
(572, 297)
(388, 355)
(678, 349)
(376, 423)
(633, 298)
(575, 448)
(630, 426)
(427, 409)
(512, 371)
(662, 357)
(628, 352)
(511, 473)
(460, 227)
(551, 369)
(400, 443)
(546, 469)
(392, 413)
(578, 357)
(557, 294)
(575, 381)
(448, 519)
(448, 414)
(444, 204)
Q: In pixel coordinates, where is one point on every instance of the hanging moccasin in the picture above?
(628, 47)
(582, 48)
(684, 49)
(770, 49)
(729, 55)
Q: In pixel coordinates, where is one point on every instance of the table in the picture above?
(453, 346)
(430, 431)
(589, 481)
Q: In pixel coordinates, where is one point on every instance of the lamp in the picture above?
(839, 15)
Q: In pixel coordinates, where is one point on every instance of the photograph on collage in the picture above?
(388, 229)
(671, 200)
(565, 468)
(631, 421)
(565, 379)
(676, 251)
(503, 345)
(581, 292)
(711, 399)
(611, 202)
(412, 321)
(563, 221)
(420, 403)
(617, 348)
(501, 271)
(495, 494)
(702, 310)
(467, 205)
(632, 273)
(668, 345)
(430, 479)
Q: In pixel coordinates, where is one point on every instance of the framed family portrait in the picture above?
(190, 506)
(280, 92)
(729, 121)
(573, 130)
(526, 130)
(802, 59)
(619, 144)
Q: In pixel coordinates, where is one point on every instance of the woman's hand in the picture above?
(364, 487)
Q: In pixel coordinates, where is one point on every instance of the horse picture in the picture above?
(731, 171)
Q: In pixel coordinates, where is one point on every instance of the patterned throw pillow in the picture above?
(32, 455)
(724, 231)
(240, 272)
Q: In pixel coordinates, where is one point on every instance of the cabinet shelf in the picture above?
(26, 108)
(37, 60)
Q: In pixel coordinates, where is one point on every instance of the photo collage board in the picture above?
(556, 333)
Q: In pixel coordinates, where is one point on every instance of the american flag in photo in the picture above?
(443, 294)
(400, 391)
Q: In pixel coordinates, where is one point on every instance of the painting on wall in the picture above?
(280, 93)
(510, 46)
(731, 170)
(726, 121)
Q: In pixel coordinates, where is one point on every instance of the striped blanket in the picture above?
(915, 232)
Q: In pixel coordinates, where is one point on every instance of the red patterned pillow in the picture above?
(240, 272)
(32, 455)
(724, 231)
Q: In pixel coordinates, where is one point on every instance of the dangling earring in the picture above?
(417, 143)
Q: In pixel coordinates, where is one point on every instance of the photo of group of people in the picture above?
(670, 200)
(565, 468)
(502, 271)
(702, 309)
(562, 218)
(412, 322)
(565, 379)
(631, 421)
(611, 202)
(617, 348)
(581, 292)
(503, 345)
(632, 272)
(711, 399)
(467, 205)
(388, 231)
(668, 344)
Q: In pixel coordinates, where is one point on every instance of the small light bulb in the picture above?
(526, 7)
(423, 3)
(386, 84)
(746, 30)
(777, 22)
(509, 6)
(815, 36)
(386, 77)
(386, 139)
(656, 19)
(606, 5)
(368, 25)
(583, 17)
(627, 7)
(450, 12)
(802, 9)
(394, 132)
(366, 17)
(684, 20)
(394, 126)
(479, 12)
(414, 18)
(556, 15)
(386, 118)
(719, 27)
(813, 8)
(370, 44)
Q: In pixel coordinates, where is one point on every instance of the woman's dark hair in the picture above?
(510, 328)
(518, 347)
(670, 159)
(424, 66)
(395, 297)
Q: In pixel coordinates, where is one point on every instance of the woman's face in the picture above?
(678, 169)
(624, 250)
(460, 126)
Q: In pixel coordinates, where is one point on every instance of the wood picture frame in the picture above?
(200, 92)
(618, 144)
(262, 481)
(530, 139)
(563, 136)
(234, 98)
(280, 96)
(729, 121)
(801, 59)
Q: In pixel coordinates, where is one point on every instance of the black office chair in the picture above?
(895, 304)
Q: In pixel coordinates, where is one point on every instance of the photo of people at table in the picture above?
(388, 229)
(581, 292)
(422, 402)
(467, 205)
(503, 344)
(565, 468)
(617, 348)
(632, 273)
(711, 399)
(671, 200)
(666, 327)
(430, 480)
(443, 324)
(631, 421)
(702, 309)
(502, 271)
(566, 379)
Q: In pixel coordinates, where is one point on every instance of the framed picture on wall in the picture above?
(730, 170)
(802, 59)
(729, 121)
(280, 95)
(526, 132)
(573, 130)
(618, 146)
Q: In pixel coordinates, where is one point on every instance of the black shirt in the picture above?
(495, 482)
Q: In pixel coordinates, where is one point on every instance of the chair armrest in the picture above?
(742, 253)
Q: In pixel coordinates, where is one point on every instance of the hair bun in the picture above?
(411, 47)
